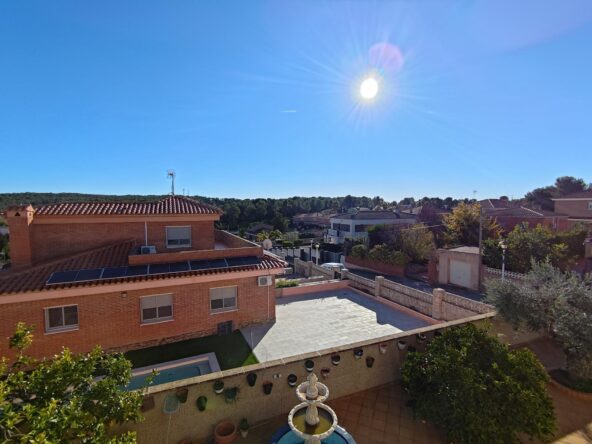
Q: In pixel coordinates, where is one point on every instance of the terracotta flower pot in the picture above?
(225, 432)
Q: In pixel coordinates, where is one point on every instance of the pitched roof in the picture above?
(494, 204)
(168, 205)
(35, 278)
(520, 212)
(371, 215)
(579, 195)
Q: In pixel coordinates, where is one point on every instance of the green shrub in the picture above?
(284, 283)
(359, 251)
(385, 254)
(478, 390)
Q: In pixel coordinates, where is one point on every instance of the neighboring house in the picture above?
(354, 225)
(509, 215)
(508, 218)
(577, 207)
(321, 220)
(130, 275)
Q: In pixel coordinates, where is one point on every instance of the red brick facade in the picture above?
(49, 241)
(113, 319)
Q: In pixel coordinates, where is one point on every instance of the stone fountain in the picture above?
(312, 420)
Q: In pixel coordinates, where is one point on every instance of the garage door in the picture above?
(460, 273)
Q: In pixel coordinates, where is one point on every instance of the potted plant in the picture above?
(421, 337)
(325, 372)
(358, 353)
(219, 387)
(181, 394)
(369, 361)
(267, 386)
(230, 394)
(244, 427)
(225, 432)
(382, 347)
(309, 365)
(292, 378)
(201, 403)
(251, 379)
(335, 359)
(401, 344)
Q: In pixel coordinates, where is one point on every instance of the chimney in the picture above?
(19, 224)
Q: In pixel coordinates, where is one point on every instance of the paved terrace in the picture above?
(322, 320)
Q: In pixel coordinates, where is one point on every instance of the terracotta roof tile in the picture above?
(168, 205)
(34, 279)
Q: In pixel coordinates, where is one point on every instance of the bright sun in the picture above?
(369, 88)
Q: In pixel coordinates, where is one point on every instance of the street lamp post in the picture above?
(504, 247)
(317, 248)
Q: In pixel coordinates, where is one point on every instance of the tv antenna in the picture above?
(171, 175)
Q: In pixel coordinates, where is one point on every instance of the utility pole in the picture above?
(480, 244)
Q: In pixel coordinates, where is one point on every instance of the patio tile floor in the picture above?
(318, 321)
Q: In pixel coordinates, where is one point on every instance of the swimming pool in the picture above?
(174, 370)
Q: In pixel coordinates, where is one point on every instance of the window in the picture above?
(61, 318)
(178, 237)
(222, 299)
(157, 308)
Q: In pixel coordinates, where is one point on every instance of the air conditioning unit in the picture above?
(264, 281)
(147, 249)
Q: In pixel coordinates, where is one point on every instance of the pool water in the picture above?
(169, 374)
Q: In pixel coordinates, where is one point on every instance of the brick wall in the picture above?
(55, 240)
(113, 321)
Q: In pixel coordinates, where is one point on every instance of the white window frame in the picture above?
(64, 327)
(223, 309)
(157, 319)
(166, 231)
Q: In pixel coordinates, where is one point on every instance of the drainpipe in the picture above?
(145, 233)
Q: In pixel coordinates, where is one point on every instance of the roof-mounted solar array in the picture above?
(102, 274)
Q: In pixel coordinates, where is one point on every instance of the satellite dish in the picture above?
(267, 244)
(171, 404)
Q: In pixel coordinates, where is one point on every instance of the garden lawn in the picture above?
(231, 351)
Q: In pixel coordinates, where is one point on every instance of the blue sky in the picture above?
(260, 99)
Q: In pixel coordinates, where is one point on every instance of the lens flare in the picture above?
(369, 88)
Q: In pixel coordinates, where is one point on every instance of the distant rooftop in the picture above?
(369, 214)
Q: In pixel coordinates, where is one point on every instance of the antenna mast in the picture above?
(171, 175)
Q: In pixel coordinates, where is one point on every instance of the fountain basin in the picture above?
(286, 436)
(325, 427)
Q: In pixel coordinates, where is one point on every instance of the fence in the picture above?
(494, 273)
(439, 304)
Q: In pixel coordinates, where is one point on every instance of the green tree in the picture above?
(477, 390)
(526, 244)
(462, 225)
(70, 398)
(556, 303)
(568, 184)
(417, 242)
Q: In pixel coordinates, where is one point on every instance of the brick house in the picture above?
(129, 275)
(577, 207)
(509, 215)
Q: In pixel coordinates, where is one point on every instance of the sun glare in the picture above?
(369, 88)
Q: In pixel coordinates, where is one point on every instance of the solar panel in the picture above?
(61, 277)
(137, 270)
(178, 267)
(243, 261)
(89, 275)
(208, 265)
(114, 272)
(159, 268)
(94, 274)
